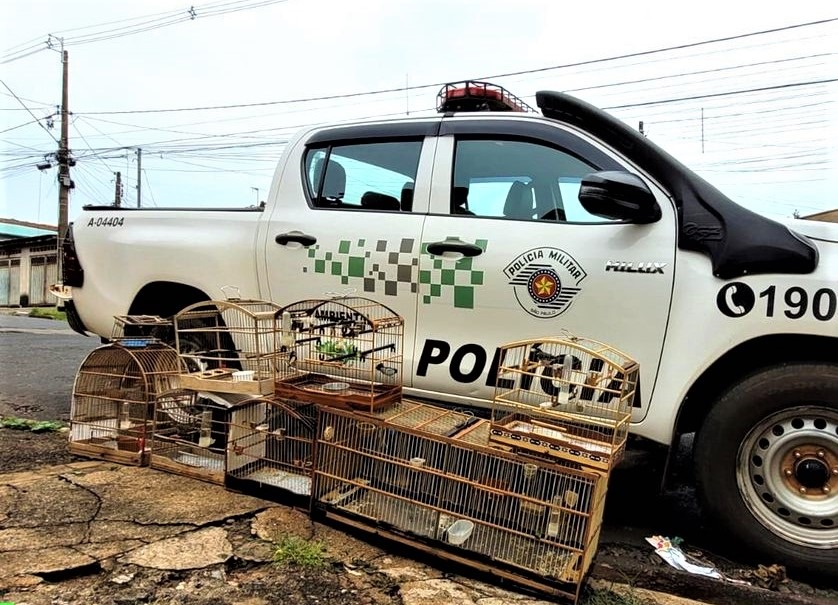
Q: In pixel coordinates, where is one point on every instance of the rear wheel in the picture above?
(767, 466)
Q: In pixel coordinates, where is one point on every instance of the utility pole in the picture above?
(64, 182)
(139, 177)
(256, 189)
(117, 198)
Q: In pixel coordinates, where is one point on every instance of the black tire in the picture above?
(743, 452)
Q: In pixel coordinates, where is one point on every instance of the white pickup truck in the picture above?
(481, 228)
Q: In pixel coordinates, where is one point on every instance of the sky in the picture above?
(774, 151)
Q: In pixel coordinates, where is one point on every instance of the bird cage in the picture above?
(564, 398)
(190, 432)
(113, 400)
(526, 519)
(140, 330)
(343, 352)
(229, 345)
(269, 448)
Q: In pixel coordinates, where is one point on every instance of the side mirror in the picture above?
(620, 196)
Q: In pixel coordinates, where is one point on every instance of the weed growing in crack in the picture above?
(293, 550)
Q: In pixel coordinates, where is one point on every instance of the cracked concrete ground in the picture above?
(100, 533)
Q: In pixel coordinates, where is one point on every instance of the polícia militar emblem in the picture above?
(545, 281)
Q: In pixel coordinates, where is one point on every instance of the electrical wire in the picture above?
(29, 110)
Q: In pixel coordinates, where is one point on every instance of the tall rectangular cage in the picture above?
(344, 352)
(190, 432)
(114, 391)
(270, 448)
(229, 346)
(528, 520)
(564, 398)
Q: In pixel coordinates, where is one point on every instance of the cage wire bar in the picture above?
(344, 352)
(114, 391)
(538, 520)
(228, 345)
(568, 398)
(190, 432)
(269, 450)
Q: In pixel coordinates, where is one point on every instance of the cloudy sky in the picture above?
(774, 149)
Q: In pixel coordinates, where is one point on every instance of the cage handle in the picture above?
(236, 288)
(346, 292)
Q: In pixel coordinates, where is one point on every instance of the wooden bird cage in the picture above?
(343, 352)
(525, 519)
(569, 399)
(113, 400)
(140, 330)
(269, 449)
(190, 432)
(229, 345)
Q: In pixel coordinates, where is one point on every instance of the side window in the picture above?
(518, 180)
(363, 176)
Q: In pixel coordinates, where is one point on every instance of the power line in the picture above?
(29, 110)
(723, 94)
(402, 89)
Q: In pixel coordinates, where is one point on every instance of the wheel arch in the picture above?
(742, 360)
(165, 298)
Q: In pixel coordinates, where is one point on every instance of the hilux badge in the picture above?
(545, 281)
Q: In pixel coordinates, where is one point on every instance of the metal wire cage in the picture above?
(228, 345)
(269, 450)
(564, 398)
(344, 352)
(113, 400)
(190, 432)
(537, 520)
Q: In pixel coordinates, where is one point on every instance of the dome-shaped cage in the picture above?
(269, 451)
(113, 399)
(190, 432)
(345, 352)
(228, 345)
(568, 398)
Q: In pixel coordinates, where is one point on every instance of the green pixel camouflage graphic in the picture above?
(392, 267)
(454, 284)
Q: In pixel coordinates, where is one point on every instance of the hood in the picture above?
(816, 230)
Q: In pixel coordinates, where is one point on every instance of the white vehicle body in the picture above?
(672, 292)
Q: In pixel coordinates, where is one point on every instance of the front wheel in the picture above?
(767, 466)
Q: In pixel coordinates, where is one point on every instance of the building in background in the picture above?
(28, 263)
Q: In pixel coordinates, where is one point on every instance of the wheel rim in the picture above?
(787, 471)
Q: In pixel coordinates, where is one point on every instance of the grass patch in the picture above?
(35, 426)
(48, 313)
(292, 550)
(604, 596)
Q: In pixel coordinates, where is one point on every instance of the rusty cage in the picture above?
(269, 449)
(190, 432)
(343, 352)
(564, 398)
(530, 520)
(113, 399)
(228, 345)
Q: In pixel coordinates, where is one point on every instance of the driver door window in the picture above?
(518, 180)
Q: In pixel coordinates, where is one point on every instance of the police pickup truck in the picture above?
(485, 227)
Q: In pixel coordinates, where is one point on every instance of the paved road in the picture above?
(38, 362)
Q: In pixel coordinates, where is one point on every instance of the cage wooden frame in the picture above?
(270, 449)
(345, 352)
(540, 521)
(229, 345)
(140, 330)
(112, 408)
(566, 398)
(190, 433)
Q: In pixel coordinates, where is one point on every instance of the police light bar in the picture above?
(472, 95)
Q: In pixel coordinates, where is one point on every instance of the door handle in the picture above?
(453, 245)
(283, 239)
